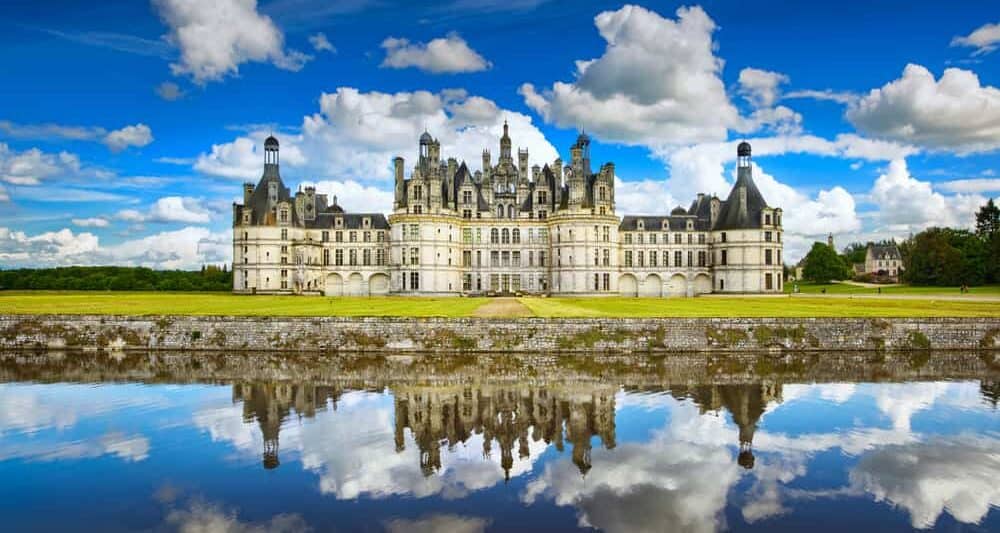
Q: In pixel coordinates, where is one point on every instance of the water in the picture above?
(686, 443)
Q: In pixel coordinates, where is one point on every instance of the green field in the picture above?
(164, 303)
(202, 303)
(846, 288)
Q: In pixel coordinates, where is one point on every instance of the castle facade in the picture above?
(505, 228)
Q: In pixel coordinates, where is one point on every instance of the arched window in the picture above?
(505, 236)
(510, 211)
(516, 236)
(499, 211)
(494, 236)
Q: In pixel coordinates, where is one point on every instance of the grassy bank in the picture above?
(160, 303)
(199, 303)
(847, 288)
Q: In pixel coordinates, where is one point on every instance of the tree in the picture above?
(855, 253)
(932, 259)
(988, 230)
(822, 264)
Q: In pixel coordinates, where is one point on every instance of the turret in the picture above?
(486, 162)
(505, 154)
(522, 164)
(247, 193)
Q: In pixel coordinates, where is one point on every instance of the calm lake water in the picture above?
(278, 443)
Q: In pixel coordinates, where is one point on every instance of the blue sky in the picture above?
(127, 127)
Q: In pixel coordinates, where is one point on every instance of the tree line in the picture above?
(116, 278)
(935, 256)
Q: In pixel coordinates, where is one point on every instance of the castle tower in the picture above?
(505, 154)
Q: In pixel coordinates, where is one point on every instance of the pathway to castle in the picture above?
(503, 308)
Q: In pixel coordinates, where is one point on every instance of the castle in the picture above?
(503, 229)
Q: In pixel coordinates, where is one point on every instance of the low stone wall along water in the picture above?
(399, 335)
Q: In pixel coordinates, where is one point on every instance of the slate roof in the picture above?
(884, 251)
(732, 215)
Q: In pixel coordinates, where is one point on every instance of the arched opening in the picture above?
(355, 285)
(378, 284)
(702, 284)
(677, 285)
(628, 285)
(334, 285)
(510, 211)
(652, 287)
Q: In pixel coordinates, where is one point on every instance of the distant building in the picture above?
(883, 261)
(505, 229)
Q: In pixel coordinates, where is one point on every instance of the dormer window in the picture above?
(767, 219)
(418, 192)
(690, 225)
(665, 226)
(284, 215)
(366, 222)
(639, 224)
(338, 222)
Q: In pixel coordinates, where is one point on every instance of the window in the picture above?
(639, 256)
(418, 192)
(366, 257)
(678, 238)
(418, 209)
(367, 236)
(467, 282)
(541, 258)
(479, 258)
(767, 257)
(494, 236)
(505, 258)
(597, 282)
(628, 238)
(722, 284)
(284, 215)
(353, 236)
(326, 257)
(516, 236)
(602, 194)
(606, 234)
(652, 258)
(339, 257)
(380, 257)
(767, 220)
(353, 257)
(678, 259)
(652, 238)
(768, 281)
(467, 258)
(510, 211)
(606, 257)
(702, 258)
(723, 236)
(466, 235)
(542, 214)
(499, 211)
(724, 259)
(542, 197)
(467, 213)
(284, 249)
(326, 236)
(515, 259)
(597, 257)
(284, 260)
(690, 238)
(414, 231)
(690, 258)
(380, 236)
(494, 259)
(701, 238)
(466, 197)
(628, 258)
(338, 236)
(778, 258)
(414, 256)
(414, 281)
(505, 236)
(767, 236)
(531, 258)
(639, 238)
(284, 234)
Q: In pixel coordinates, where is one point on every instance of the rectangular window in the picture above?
(690, 258)
(702, 258)
(628, 258)
(338, 236)
(414, 231)
(414, 256)
(367, 236)
(284, 234)
(767, 257)
(541, 259)
(467, 235)
(467, 282)
(380, 257)
(352, 257)
(366, 257)
(678, 259)
(597, 282)
(326, 236)
(701, 238)
(767, 236)
(606, 258)
(768, 282)
(505, 258)
(652, 258)
(414, 281)
(380, 236)
(467, 258)
(652, 238)
(494, 259)
(339, 257)
(326, 257)
(628, 238)
(724, 260)
(479, 258)
(353, 236)
(723, 236)
(639, 259)
(466, 197)
(515, 259)
(638, 238)
(678, 238)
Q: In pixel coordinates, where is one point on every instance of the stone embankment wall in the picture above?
(400, 335)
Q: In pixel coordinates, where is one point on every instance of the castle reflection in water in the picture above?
(507, 417)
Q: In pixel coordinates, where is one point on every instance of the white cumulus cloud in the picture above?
(92, 222)
(138, 135)
(909, 204)
(954, 113)
(32, 166)
(215, 38)
(442, 55)
(168, 209)
(320, 43)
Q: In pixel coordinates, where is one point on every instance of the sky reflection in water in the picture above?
(154, 443)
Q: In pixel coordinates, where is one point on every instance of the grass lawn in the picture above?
(846, 288)
(206, 303)
(166, 303)
(799, 306)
